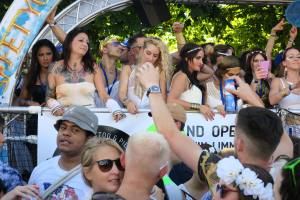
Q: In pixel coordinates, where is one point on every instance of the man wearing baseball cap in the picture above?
(75, 127)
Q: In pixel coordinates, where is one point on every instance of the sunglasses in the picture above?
(291, 166)
(107, 164)
(223, 190)
(115, 44)
(292, 58)
(139, 47)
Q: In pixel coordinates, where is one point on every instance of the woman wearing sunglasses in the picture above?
(131, 93)
(285, 91)
(242, 181)
(101, 165)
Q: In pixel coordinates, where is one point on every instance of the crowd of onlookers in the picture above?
(264, 163)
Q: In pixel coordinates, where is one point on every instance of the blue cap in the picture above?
(125, 43)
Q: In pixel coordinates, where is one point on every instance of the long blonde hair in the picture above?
(162, 62)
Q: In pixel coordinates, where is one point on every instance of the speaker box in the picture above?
(151, 12)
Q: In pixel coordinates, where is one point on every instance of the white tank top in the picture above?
(291, 101)
(192, 95)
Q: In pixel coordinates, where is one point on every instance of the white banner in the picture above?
(219, 132)
(18, 28)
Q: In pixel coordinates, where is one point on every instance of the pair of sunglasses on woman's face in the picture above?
(107, 164)
(223, 190)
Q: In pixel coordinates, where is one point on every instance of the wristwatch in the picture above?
(153, 89)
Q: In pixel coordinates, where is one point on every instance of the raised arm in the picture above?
(178, 28)
(293, 35)
(163, 85)
(270, 44)
(205, 73)
(245, 93)
(57, 31)
(190, 154)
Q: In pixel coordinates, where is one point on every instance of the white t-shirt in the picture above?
(48, 172)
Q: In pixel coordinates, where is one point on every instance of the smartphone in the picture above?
(264, 66)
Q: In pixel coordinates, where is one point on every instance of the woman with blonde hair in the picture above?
(101, 166)
(131, 92)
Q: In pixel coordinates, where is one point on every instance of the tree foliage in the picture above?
(242, 26)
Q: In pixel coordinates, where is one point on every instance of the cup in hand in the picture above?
(264, 67)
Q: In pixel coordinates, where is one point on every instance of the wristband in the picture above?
(113, 107)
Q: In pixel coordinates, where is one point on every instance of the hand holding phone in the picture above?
(264, 67)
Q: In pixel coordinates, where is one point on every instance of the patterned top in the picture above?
(10, 176)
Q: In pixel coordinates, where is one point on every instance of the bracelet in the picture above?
(52, 24)
(195, 106)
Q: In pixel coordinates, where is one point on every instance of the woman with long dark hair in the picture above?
(186, 89)
(33, 92)
(73, 80)
(257, 76)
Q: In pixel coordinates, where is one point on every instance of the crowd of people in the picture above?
(264, 163)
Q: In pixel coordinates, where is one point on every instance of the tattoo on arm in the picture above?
(52, 71)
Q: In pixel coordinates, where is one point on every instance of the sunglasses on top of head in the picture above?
(106, 165)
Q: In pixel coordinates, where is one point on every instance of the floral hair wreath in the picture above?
(231, 171)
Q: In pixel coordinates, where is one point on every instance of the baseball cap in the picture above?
(177, 111)
(82, 117)
(125, 43)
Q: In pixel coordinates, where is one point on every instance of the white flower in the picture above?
(228, 169)
(249, 183)
(266, 193)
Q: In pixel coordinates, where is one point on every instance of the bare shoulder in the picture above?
(276, 82)
(180, 77)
